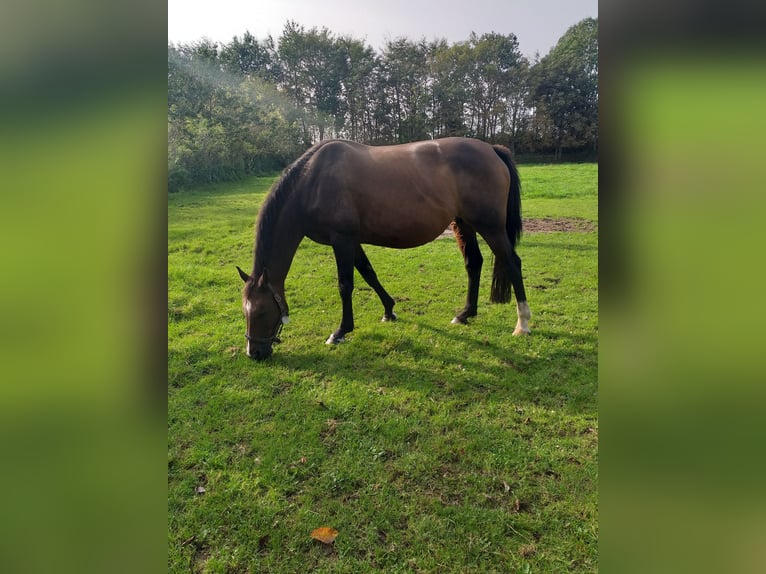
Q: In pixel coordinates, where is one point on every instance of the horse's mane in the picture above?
(273, 204)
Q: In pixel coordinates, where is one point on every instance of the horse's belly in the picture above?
(404, 224)
(398, 213)
(402, 235)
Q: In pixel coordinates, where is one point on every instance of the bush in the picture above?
(178, 178)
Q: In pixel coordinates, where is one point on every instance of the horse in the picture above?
(345, 194)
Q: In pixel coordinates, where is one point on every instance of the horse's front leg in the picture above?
(365, 269)
(344, 259)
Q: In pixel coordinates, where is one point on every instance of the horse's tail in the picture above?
(501, 281)
(513, 216)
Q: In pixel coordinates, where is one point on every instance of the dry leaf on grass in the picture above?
(324, 534)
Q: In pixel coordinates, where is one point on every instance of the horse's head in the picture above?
(265, 312)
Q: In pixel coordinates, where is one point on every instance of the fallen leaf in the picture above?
(506, 486)
(324, 534)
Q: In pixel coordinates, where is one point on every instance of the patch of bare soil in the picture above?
(550, 225)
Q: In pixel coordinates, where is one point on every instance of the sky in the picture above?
(538, 24)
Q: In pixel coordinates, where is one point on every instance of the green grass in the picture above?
(430, 447)
(573, 187)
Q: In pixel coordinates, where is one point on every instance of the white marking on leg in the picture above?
(331, 340)
(524, 315)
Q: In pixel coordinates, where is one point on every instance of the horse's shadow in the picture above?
(489, 371)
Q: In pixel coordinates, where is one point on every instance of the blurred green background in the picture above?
(82, 287)
(681, 365)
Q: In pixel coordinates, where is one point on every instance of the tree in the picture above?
(221, 126)
(357, 82)
(518, 115)
(311, 70)
(448, 92)
(405, 68)
(250, 58)
(193, 74)
(565, 87)
(490, 61)
(251, 105)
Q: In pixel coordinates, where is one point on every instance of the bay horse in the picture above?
(344, 194)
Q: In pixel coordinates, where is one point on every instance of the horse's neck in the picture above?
(286, 236)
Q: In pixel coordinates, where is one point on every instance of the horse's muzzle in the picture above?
(260, 352)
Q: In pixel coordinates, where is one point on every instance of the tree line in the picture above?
(253, 105)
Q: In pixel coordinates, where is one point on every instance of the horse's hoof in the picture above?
(387, 318)
(518, 331)
(332, 340)
(459, 321)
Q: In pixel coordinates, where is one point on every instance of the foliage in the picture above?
(222, 126)
(428, 446)
(311, 70)
(251, 106)
(565, 87)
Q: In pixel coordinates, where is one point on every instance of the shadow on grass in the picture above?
(472, 369)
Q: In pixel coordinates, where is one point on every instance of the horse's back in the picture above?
(404, 195)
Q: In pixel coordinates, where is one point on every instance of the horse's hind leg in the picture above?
(507, 273)
(365, 269)
(469, 247)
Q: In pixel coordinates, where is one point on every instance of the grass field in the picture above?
(430, 447)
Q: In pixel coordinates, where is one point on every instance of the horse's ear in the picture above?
(263, 280)
(245, 276)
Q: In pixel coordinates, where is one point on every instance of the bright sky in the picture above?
(538, 24)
